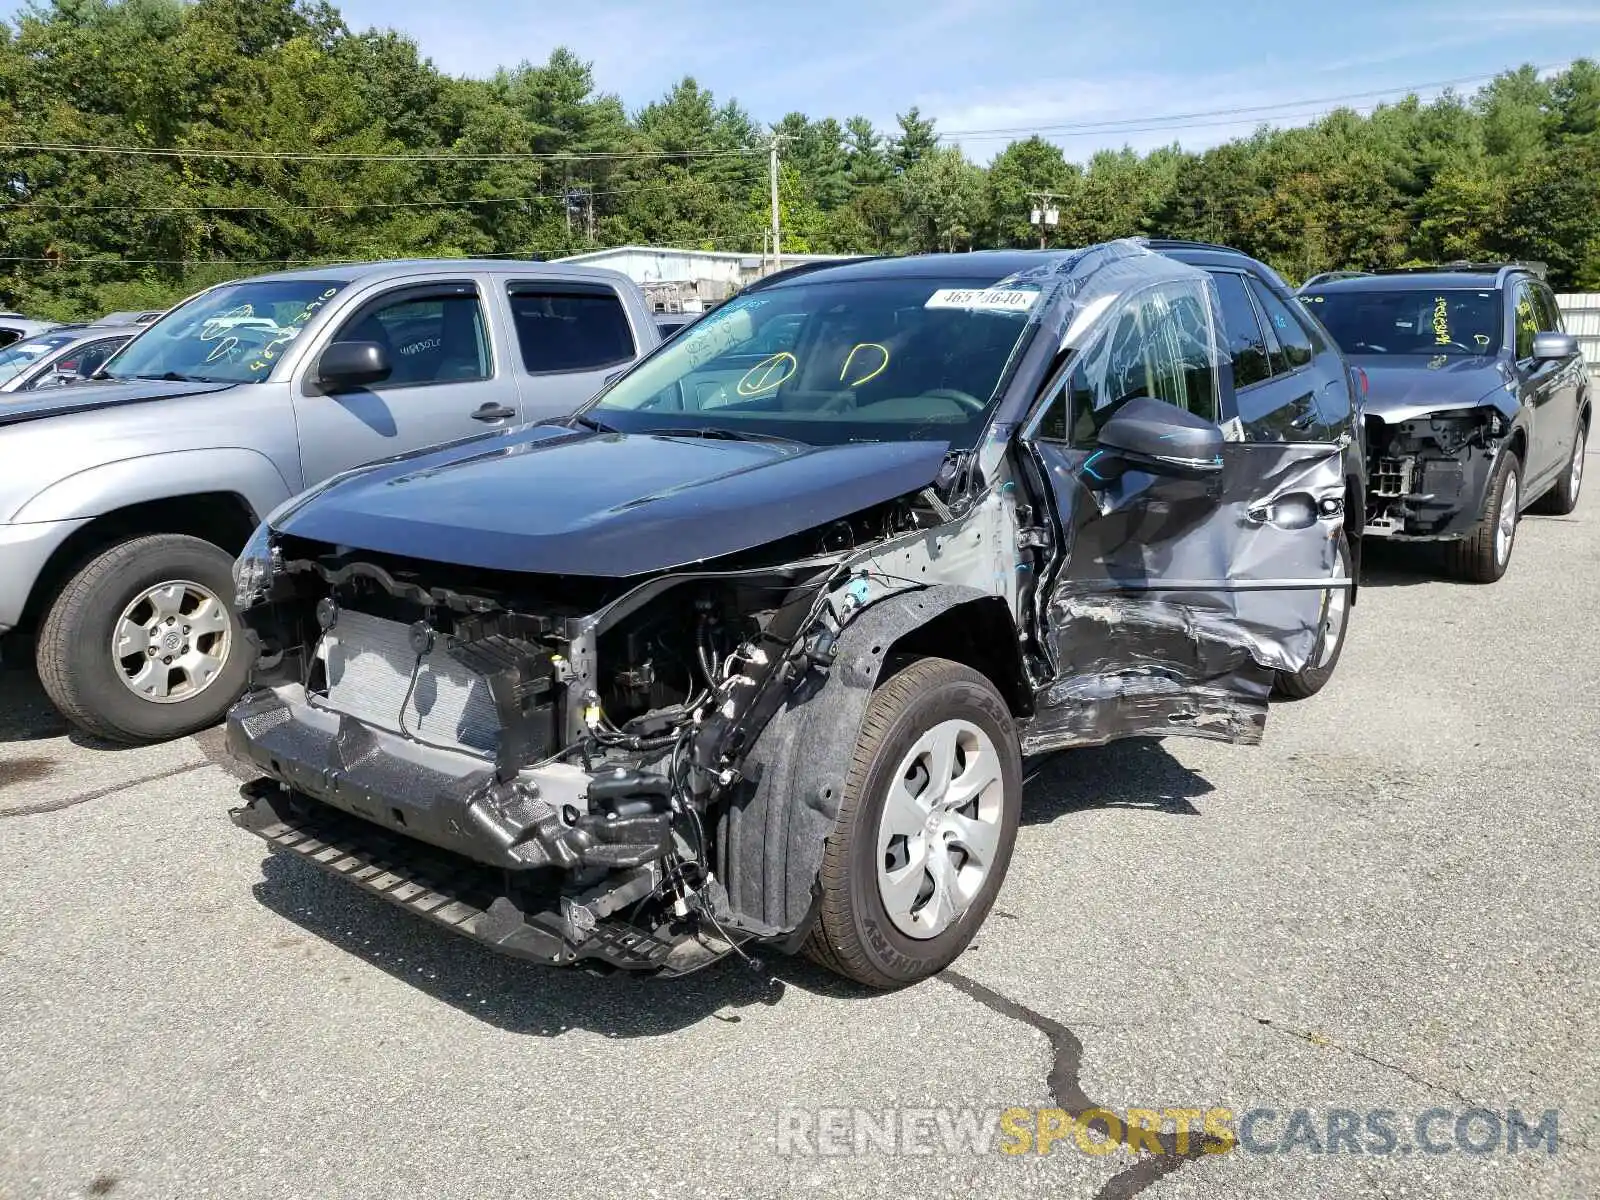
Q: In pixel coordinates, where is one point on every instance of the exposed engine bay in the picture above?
(1427, 475)
(585, 729)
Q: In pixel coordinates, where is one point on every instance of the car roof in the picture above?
(406, 268)
(976, 264)
(1486, 280)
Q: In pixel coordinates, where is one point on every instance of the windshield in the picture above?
(19, 356)
(833, 362)
(231, 334)
(1449, 321)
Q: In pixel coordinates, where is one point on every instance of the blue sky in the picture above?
(987, 64)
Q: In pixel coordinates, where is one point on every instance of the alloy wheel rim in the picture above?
(940, 830)
(172, 641)
(1506, 530)
(1334, 617)
(1577, 464)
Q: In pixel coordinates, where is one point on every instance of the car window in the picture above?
(235, 333)
(1157, 344)
(561, 328)
(894, 358)
(1293, 349)
(1448, 322)
(18, 357)
(88, 358)
(1549, 310)
(1526, 315)
(1241, 328)
(429, 338)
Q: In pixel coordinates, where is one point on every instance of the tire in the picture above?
(75, 653)
(1562, 499)
(1481, 557)
(856, 934)
(1325, 658)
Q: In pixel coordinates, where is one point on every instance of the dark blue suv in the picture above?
(1478, 408)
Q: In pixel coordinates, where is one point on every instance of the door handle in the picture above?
(493, 412)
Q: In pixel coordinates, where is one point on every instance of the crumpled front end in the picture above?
(538, 762)
(1428, 473)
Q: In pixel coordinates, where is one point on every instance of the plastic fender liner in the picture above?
(771, 833)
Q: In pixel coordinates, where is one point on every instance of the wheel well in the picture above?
(980, 634)
(224, 519)
(1355, 502)
(1519, 446)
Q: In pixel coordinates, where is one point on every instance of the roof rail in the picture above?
(1464, 267)
(1186, 244)
(1330, 276)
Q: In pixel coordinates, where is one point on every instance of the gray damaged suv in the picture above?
(749, 649)
(124, 501)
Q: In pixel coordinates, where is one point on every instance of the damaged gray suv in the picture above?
(750, 650)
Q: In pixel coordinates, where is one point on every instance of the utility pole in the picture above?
(1045, 215)
(775, 254)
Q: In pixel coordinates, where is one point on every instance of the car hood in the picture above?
(547, 499)
(1404, 387)
(85, 397)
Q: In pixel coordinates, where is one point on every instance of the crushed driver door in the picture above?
(1175, 599)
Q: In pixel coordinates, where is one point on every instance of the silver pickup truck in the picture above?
(124, 501)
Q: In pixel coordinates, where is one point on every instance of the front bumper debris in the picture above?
(447, 889)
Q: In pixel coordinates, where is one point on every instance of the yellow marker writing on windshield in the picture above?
(1441, 322)
(882, 350)
(769, 373)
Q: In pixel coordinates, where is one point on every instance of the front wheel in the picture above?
(1482, 556)
(926, 825)
(142, 644)
(1314, 676)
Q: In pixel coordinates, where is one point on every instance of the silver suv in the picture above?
(123, 502)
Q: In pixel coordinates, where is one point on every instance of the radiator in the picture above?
(369, 666)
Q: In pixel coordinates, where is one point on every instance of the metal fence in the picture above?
(1580, 313)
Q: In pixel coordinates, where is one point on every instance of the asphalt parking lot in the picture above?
(1392, 904)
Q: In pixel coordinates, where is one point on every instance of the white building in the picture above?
(687, 280)
(1580, 313)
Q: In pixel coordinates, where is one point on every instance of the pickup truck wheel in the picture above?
(1482, 556)
(142, 644)
(1330, 639)
(926, 826)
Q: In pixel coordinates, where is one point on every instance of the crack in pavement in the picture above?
(1066, 1088)
(50, 806)
(1326, 1043)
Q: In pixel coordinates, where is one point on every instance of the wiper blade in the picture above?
(165, 377)
(725, 435)
(598, 426)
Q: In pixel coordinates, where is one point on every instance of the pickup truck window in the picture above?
(569, 327)
(430, 339)
(231, 334)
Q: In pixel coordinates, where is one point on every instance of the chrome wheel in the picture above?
(1334, 615)
(172, 642)
(1506, 529)
(1576, 480)
(940, 828)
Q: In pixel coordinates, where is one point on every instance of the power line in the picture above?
(335, 261)
(353, 156)
(578, 191)
(1151, 123)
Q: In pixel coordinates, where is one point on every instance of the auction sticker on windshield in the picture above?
(990, 299)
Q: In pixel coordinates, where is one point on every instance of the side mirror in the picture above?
(352, 365)
(1548, 347)
(1152, 435)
